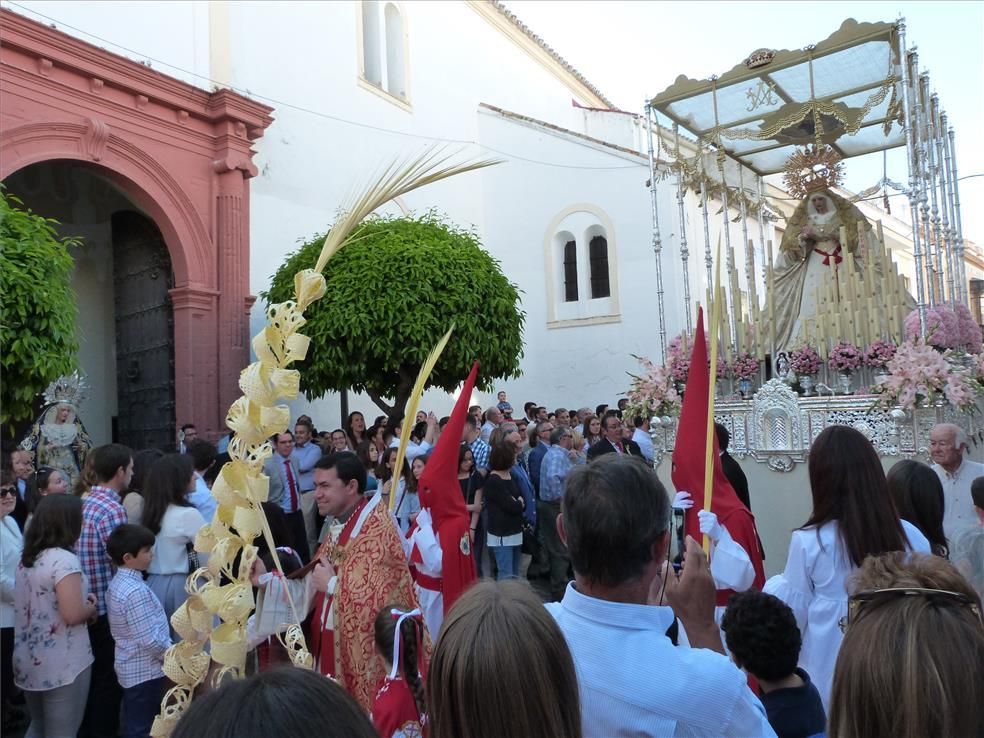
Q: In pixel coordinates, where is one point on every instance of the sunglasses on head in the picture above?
(857, 602)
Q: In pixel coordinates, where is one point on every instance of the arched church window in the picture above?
(395, 53)
(598, 262)
(570, 271)
(371, 47)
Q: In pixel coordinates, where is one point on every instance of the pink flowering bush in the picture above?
(744, 366)
(969, 330)
(942, 327)
(844, 357)
(652, 392)
(879, 353)
(804, 361)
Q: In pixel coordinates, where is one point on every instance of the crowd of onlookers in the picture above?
(874, 626)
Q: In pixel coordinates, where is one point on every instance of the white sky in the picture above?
(634, 50)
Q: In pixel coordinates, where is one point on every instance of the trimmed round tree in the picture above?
(393, 291)
(37, 309)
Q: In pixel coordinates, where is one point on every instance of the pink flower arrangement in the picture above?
(959, 391)
(744, 366)
(879, 353)
(652, 392)
(804, 361)
(918, 374)
(678, 358)
(844, 357)
(942, 327)
(970, 331)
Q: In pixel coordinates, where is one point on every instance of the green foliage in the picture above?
(392, 292)
(37, 308)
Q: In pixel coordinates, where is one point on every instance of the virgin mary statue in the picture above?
(810, 254)
(57, 438)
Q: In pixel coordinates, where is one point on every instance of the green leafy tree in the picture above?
(393, 291)
(37, 308)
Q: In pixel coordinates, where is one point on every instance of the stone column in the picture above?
(195, 358)
(232, 260)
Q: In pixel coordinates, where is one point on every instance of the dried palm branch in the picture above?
(395, 180)
(411, 412)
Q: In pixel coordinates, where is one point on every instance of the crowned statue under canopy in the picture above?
(58, 438)
(823, 229)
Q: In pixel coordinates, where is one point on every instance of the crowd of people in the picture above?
(591, 617)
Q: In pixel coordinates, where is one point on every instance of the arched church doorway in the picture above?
(122, 278)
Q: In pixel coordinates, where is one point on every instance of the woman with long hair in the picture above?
(853, 517)
(133, 501)
(912, 661)
(355, 428)
(400, 709)
(918, 495)
(52, 604)
(175, 523)
(504, 504)
(501, 667)
(592, 431)
(471, 482)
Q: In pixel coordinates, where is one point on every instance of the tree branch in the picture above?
(380, 403)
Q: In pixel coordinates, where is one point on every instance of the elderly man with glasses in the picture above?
(613, 441)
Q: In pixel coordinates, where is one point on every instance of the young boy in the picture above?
(504, 407)
(139, 627)
(761, 633)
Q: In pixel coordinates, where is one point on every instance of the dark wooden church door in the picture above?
(142, 277)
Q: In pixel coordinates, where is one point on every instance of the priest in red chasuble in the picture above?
(359, 568)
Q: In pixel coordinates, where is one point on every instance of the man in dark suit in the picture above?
(613, 441)
(732, 469)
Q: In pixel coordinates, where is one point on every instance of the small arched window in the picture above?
(395, 72)
(372, 67)
(598, 258)
(570, 271)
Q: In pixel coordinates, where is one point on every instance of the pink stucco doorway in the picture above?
(180, 155)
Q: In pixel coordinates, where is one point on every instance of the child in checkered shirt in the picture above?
(139, 627)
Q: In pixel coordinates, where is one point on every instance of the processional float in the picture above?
(830, 306)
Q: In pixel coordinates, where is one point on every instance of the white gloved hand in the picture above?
(710, 526)
(683, 501)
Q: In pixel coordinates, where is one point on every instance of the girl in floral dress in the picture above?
(52, 655)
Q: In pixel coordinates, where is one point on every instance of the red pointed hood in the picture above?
(689, 458)
(441, 494)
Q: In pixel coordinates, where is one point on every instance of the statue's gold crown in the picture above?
(814, 168)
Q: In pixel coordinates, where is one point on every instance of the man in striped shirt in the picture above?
(102, 513)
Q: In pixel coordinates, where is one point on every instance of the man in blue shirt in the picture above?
(557, 464)
(633, 680)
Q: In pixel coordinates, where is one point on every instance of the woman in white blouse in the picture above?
(853, 517)
(175, 523)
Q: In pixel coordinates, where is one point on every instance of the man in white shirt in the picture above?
(633, 680)
(947, 446)
(642, 438)
(492, 419)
